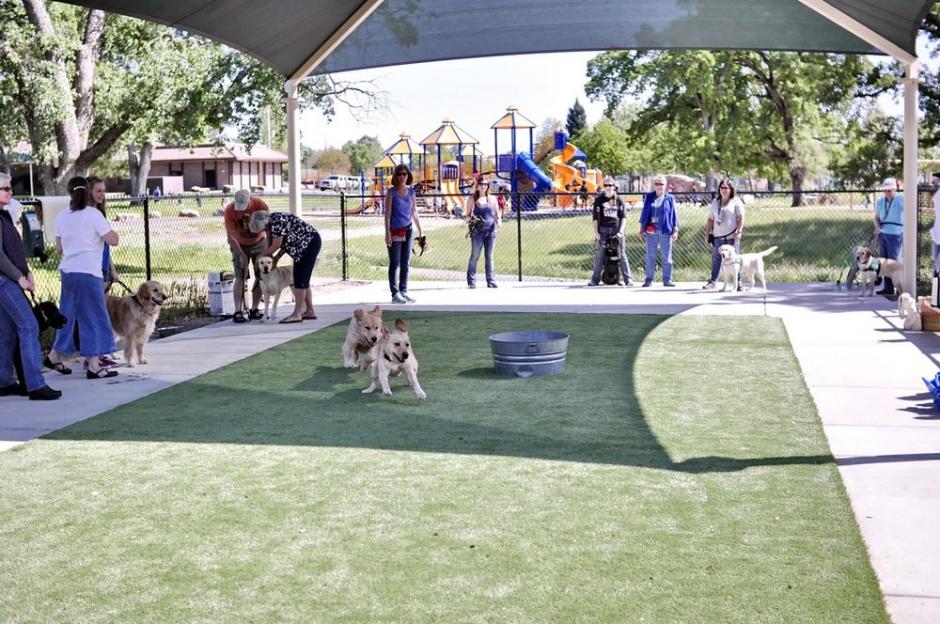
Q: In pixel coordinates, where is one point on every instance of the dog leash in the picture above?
(126, 287)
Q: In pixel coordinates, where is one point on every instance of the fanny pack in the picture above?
(399, 234)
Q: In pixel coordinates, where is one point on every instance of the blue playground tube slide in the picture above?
(543, 183)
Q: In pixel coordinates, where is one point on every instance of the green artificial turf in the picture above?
(676, 472)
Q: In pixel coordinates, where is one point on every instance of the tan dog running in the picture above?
(273, 282)
(870, 267)
(362, 338)
(134, 317)
(395, 356)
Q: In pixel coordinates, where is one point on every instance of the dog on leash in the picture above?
(362, 338)
(910, 315)
(274, 279)
(871, 267)
(395, 356)
(134, 317)
(750, 265)
(611, 273)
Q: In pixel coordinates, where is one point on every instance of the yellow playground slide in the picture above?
(564, 175)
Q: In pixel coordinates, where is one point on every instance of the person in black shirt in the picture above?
(608, 220)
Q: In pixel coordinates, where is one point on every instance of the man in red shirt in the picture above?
(246, 247)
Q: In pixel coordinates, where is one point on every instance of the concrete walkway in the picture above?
(864, 375)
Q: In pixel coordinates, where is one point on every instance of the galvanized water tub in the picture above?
(529, 353)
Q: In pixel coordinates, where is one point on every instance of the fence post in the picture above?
(342, 235)
(518, 205)
(147, 238)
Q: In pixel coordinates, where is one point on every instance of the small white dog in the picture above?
(870, 267)
(750, 264)
(910, 315)
(362, 338)
(395, 356)
(273, 282)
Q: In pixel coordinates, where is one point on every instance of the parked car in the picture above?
(334, 183)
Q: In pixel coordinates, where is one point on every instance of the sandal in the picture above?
(239, 317)
(58, 367)
(309, 317)
(101, 373)
(255, 314)
(288, 321)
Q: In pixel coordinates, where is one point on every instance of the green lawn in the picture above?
(638, 486)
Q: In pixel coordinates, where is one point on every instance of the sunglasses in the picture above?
(725, 188)
(403, 174)
(6, 188)
(658, 184)
(609, 186)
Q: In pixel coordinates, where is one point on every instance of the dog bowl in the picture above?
(529, 353)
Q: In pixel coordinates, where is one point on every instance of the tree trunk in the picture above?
(771, 185)
(4, 161)
(710, 183)
(797, 175)
(139, 166)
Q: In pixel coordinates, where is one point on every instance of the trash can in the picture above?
(221, 289)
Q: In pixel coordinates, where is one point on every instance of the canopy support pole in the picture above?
(293, 110)
(909, 246)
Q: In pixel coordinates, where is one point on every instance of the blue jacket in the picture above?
(670, 221)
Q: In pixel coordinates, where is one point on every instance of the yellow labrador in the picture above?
(395, 356)
(870, 267)
(133, 318)
(274, 279)
(362, 338)
(750, 264)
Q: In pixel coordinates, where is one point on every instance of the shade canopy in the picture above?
(449, 133)
(285, 34)
(404, 146)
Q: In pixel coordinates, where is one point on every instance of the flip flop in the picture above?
(309, 317)
(288, 321)
(58, 367)
(102, 373)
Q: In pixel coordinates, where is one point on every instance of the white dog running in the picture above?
(395, 356)
(749, 264)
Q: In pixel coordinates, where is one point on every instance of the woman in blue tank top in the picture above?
(485, 210)
(401, 213)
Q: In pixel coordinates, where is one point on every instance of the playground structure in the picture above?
(446, 161)
(574, 177)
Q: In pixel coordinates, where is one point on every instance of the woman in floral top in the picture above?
(292, 235)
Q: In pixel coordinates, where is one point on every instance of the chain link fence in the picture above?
(178, 240)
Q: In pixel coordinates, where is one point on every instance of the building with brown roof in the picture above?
(214, 166)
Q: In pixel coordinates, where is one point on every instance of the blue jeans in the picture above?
(599, 252)
(716, 258)
(890, 248)
(662, 242)
(18, 323)
(399, 258)
(485, 240)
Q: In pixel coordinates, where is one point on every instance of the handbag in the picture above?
(475, 225)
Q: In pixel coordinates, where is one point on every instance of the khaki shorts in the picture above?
(252, 251)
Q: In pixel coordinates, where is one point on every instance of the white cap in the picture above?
(890, 184)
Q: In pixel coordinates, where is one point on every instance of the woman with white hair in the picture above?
(17, 323)
(608, 220)
(292, 235)
(659, 226)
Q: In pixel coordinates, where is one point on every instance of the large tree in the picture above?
(362, 153)
(577, 119)
(735, 110)
(80, 85)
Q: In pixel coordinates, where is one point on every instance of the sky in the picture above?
(474, 93)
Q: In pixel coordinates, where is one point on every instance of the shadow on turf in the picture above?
(258, 402)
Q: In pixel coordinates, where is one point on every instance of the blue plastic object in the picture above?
(561, 139)
(933, 386)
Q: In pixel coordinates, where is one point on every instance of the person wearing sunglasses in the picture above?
(17, 323)
(481, 205)
(608, 220)
(659, 227)
(723, 227)
(401, 215)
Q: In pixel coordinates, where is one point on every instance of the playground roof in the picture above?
(385, 162)
(291, 35)
(404, 146)
(449, 133)
(513, 119)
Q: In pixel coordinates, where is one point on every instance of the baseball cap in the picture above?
(890, 184)
(242, 198)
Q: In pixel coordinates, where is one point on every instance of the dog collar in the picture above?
(137, 301)
(390, 359)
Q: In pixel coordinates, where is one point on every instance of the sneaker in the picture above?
(593, 284)
(406, 297)
(710, 285)
(629, 283)
(669, 285)
(255, 314)
(397, 298)
(239, 317)
(647, 284)
(471, 285)
(491, 285)
(13, 389)
(44, 394)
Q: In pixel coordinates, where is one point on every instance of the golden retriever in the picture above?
(395, 356)
(133, 318)
(870, 267)
(274, 279)
(750, 264)
(362, 338)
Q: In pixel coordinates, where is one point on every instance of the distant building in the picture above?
(212, 166)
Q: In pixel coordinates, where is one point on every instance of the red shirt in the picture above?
(236, 222)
